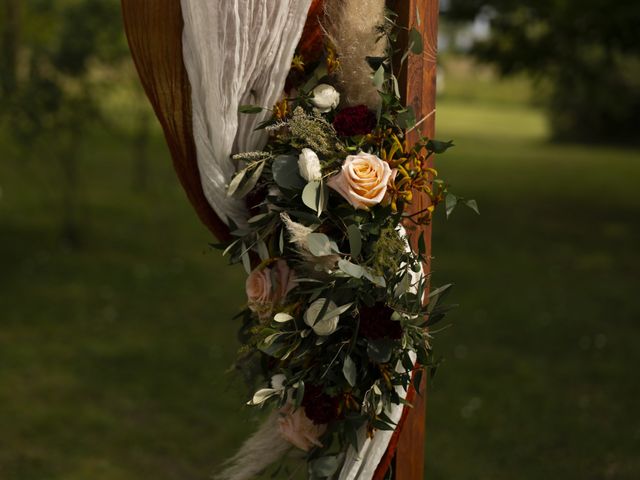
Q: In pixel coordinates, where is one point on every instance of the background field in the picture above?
(112, 356)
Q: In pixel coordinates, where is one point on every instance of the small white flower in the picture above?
(321, 326)
(325, 98)
(277, 381)
(309, 165)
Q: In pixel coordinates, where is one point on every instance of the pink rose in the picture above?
(362, 181)
(297, 429)
(268, 287)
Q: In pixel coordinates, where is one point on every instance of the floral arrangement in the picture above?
(338, 307)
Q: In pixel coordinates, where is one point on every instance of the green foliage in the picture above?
(312, 131)
(586, 52)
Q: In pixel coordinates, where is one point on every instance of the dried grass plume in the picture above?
(351, 27)
(263, 448)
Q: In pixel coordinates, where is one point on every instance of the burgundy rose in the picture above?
(376, 323)
(318, 406)
(358, 120)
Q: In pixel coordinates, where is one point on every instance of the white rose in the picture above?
(325, 325)
(325, 98)
(309, 165)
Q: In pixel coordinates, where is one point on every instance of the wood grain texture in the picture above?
(418, 84)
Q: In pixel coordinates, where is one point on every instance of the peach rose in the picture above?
(267, 287)
(362, 181)
(297, 429)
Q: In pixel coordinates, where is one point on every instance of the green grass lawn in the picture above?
(112, 357)
(539, 376)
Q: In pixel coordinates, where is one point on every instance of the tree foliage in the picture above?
(49, 86)
(587, 51)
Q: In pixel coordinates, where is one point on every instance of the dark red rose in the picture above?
(318, 406)
(358, 120)
(376, 323)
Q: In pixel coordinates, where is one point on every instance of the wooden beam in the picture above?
(418, 85)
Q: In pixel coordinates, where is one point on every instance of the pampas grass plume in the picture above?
(351, 27)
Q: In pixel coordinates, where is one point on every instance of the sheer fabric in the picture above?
(236, 52)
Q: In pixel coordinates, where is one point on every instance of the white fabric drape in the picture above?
(236, 52)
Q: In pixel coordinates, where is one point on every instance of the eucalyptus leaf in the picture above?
(349, 371)
(251, 181)
(351, 269)
(257, 218)
(282, 317)
(355, 240)
(246, 261)
(281, 241)
(235, 182)
(319, 244)
(336, 312)
(286, 174)
(440, 291)
(375, 279)
(378, 77)
(263, 251)
(310, 195)
(396, 86)
(299, 394)
(450, 203)
(473, 205)
(262, 395)
(230, 247)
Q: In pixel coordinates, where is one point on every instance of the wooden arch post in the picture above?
(418, 86)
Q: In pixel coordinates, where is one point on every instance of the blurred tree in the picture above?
(586, 51)
(10, 38)
(50, 95)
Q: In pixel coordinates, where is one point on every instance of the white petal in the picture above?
(261, 395)
(282, 317)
